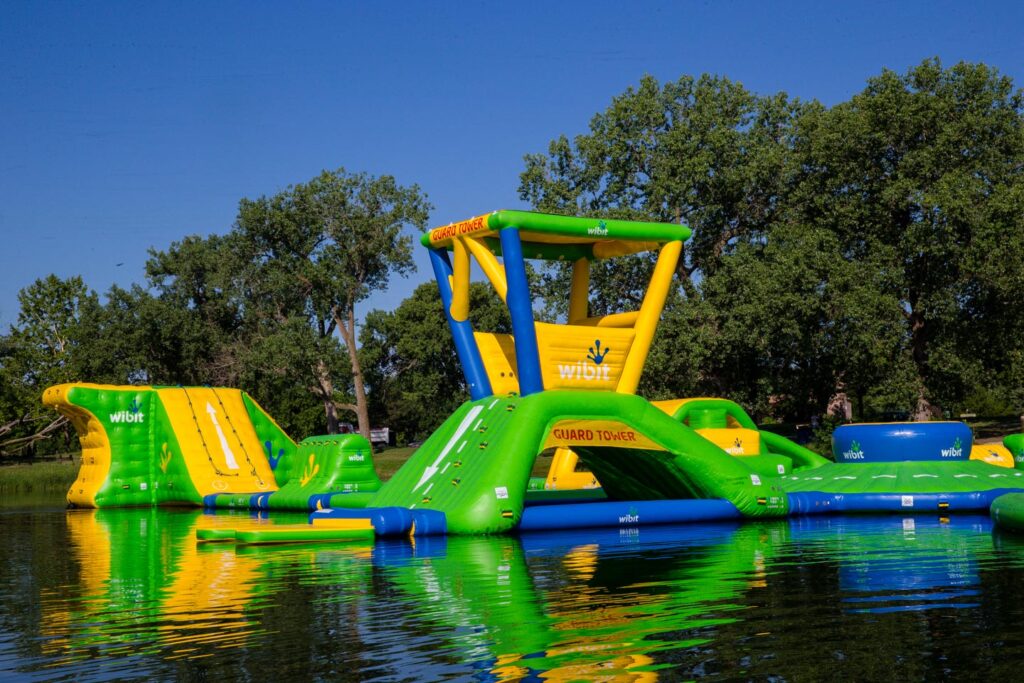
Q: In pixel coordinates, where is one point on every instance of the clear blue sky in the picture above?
(129, 125)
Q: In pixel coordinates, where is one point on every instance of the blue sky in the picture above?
(126, 126)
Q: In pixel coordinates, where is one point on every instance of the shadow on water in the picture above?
(113, 593)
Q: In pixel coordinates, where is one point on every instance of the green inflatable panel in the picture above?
(905, 477)
(1008, 512)
(1015, 444)
(325, 466)
(476, 467)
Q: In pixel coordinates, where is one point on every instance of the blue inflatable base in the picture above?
(625, 514)
(391, 521)
(817, 503)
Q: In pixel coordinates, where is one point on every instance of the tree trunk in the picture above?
(323, 378)
(924, 410)
(347, 329)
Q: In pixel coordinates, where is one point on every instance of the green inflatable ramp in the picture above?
(476, 467)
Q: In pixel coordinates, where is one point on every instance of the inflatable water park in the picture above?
(567, 388)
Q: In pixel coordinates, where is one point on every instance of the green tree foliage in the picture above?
(866, 248)
(921, 175)
(41, 349)
(415, 378)
(313, 252)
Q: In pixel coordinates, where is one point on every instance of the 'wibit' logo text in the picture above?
(133, 415)
(585, 370)
(632, 516)
(855, 452)
(956, 451)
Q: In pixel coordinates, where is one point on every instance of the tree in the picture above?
(921, 174)
(703, 151)
(410, 359)
(316, 250)
(866, 248)
(40, 351)
(192, 329)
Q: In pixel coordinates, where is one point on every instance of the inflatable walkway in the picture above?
(476, 466)
(200, 446)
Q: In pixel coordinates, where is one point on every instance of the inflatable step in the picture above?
(1007, 512)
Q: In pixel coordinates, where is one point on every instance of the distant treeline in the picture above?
(870, 250)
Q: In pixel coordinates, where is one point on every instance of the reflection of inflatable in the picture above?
(897, 564)
(149, 589)
(200, 445)
(627, 603)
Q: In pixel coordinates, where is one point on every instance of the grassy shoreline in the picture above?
(40, 477)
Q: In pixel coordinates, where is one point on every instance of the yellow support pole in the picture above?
(650, 312)
(489, 264)
(460, 284)
(579, 294)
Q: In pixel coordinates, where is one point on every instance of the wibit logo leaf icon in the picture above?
(310, 470)
(855, 447)
(165, 457)
(596, 354)
(134, 406)
(269, 445)
(957, 444)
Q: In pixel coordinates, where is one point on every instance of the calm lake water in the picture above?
(101, 595)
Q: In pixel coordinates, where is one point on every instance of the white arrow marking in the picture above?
(431, 470)
(229, 457)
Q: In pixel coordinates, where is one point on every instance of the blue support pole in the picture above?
(520, 307)
(462, 332)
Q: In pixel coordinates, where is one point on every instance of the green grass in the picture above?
(38, 477)
(994, 427)
(58, 476)
(387, 462)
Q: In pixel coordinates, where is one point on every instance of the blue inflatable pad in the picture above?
(387, 521)
(901, 441)
(625, 513)
(813, 502)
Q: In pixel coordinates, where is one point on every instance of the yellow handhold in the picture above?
(311, 469)
(165, 457)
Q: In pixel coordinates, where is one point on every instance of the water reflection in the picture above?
(627, 604)
(890, 564)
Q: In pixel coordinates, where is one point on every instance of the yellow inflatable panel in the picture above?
(565, 433)
(993, 454)
(95, 444)
(217, 440)
(571, 357)
(735, 441)
(563, 475)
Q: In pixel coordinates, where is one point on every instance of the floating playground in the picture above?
(567, 388)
